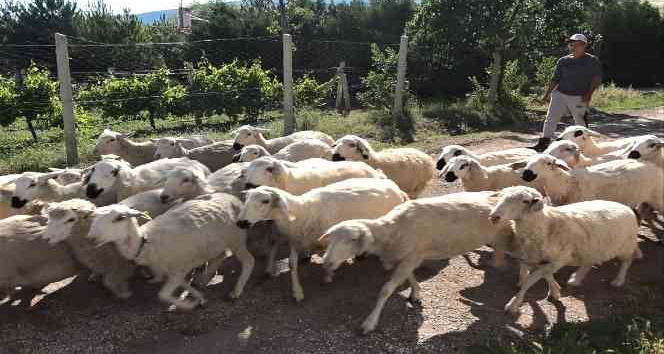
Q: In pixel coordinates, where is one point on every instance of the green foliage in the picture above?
(544, 71)
(153, 96)
(233, 89)
(311, 93)
(8, 95)
(515, 81)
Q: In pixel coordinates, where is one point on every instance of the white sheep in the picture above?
(294, 152)
(176, 242)
(30, 186)
(584, 138)
(581, 234)
(248, 135)
(134, 152)
(185, 184)
(268, 171)
(68, 175)
(26, 259)
(628, 182)
(648, 148)
(149, 202)
(70, 221)
(501, 157)
(115, 177)
(569, 152)
(302, 219)
(169, 147)
(476, 178)
(427, 228)
(411, 169)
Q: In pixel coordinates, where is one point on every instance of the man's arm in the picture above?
(547, 94)
(594, 84)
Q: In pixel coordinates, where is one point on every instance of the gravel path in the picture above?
(462, 299)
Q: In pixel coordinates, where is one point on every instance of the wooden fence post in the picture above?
(289, 115)
(397, 110)
(343, 94)
(69, 120)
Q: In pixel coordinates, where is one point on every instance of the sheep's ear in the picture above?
(536, 205)
(116, 171)
(236, 157)
(659, 144)
(561, 165)
(277, 169)
(363, 148)
(457, 153)
(518, 165)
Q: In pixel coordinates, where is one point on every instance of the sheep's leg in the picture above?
(543, 271)
(524, 270)
(638, 254)
(157, 277)
(622, 272)
(579, 275)
(169, 287)
(298, 293)
(415, 290)
(118, 286)
(499, 260)
(402, 272)
(247, 261)
(554, 288)
(195, 293)
(213, 265)
(271, 267)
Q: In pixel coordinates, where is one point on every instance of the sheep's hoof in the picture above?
(298, 299)
(365, 329)
(305, 260)
(231, 297)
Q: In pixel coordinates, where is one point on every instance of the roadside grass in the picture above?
(611, 98)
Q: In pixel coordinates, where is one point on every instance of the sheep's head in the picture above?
(109, 142)
(514, 202)
(459, 167)
(345, 240)
(351, 148)
(250, 153)
(263, 204)
(265, 171)
(182, 183)
(581, 135)
(542, 165)
(29, 186)
(113, 223)
(247, 135)
(448, 153)
(102, 176)
(569, 152)
(168, 148)
(646, 148)
(63, 216)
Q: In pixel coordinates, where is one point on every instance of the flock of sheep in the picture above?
(180, 206)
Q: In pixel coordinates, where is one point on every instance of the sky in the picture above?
(140, 6)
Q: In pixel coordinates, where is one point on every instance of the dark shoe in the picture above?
(542, 144)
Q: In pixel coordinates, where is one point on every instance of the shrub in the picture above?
(544, 71)
(311, 93)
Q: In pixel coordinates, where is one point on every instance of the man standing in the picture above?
(574, 80)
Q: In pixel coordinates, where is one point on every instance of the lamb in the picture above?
(115, 177)
(606, 181)
(68, 175)
(476, 178)
(26, 259)
(268, 171)
(302, 219)
(248, 135)
(487, 159)
(169, 147)
(136, 153)
(70, 221)
(648, 148)
(411, 169)
(297, 151)
(185, 184)
(569, 152)
(149, 202)
(427, 228)
(34, 185)
(176, 242)
(584, 138)
(580, 234)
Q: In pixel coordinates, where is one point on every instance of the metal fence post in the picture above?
(289, 115)
(69, 120)
(397, 110)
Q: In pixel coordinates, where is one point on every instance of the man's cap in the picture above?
(578, 37)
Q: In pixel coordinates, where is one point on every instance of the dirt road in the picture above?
(462, 299)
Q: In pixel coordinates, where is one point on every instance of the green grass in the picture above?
(611, 98)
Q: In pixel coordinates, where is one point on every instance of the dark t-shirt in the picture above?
(574, 75)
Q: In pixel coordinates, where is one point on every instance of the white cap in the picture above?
(579, 37)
